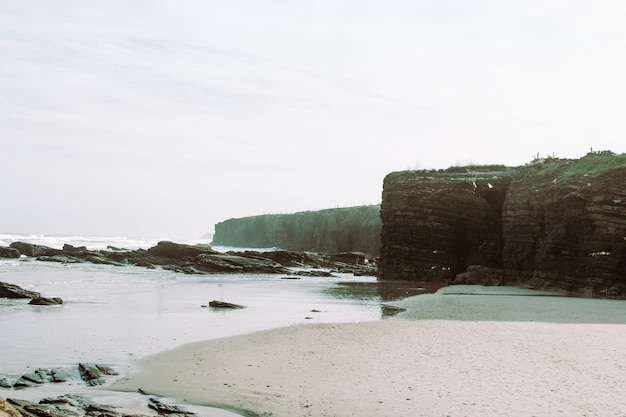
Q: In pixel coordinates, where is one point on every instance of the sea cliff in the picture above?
(351, 229)
(556, 224)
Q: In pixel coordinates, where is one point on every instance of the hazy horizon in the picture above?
(143, 118)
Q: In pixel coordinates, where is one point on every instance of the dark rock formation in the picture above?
(435, 224)
(324, 231)
(163, 409)
(224, 304)
(59, 375)
(30, 249)
(190, 259)
(71, 405)
(564, 224)
(553, 224)
(38, 377)
(9, 252)
(311, 273)
(236, 263)
(13, 291)
(43, 301)
(171, 250)
(94, 374)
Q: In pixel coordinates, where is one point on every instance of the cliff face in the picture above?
(553, 224)
(352, 229)
(435, 224)
(564, 224)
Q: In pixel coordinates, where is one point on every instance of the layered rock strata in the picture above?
(552, 224)
(435, 224)
(564, 224)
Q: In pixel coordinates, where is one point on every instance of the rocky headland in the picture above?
(556, 224)
(350, 229)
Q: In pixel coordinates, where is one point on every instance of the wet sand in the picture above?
(481, 352)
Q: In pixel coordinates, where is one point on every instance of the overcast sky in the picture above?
(162, 118)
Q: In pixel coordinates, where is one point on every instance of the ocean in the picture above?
(115, 315)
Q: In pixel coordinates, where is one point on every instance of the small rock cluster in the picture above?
(91, 373)
(14, 291)
(71, 405)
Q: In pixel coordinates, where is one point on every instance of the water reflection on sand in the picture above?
(382, 292)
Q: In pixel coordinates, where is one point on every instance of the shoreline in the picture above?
(454, 354)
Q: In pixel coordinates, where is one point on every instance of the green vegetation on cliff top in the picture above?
(565, 170)
(561, 170)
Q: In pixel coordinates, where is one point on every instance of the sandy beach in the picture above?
(465, 351)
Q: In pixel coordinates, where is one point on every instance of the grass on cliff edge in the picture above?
(566, 170)
(548, 169)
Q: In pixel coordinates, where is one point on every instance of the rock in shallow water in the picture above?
(14, 291)
(224, 304)
(94, 374)
(9, 252)
(165, 409)
(43, 301)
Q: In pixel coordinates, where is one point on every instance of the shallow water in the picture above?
(115, 315)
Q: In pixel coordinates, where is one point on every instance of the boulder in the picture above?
(29, 249)
(163, 409)
(6, 252)
(59, 375)
(69, 248)
(171, 250)
(43, 301)
(13, 291)
(224, 304)
(480, 275)
(94, 374)
(38, 377)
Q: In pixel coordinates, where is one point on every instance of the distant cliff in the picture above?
(554, 224)
(351, 229)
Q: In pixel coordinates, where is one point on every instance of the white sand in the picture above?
(573, 364)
